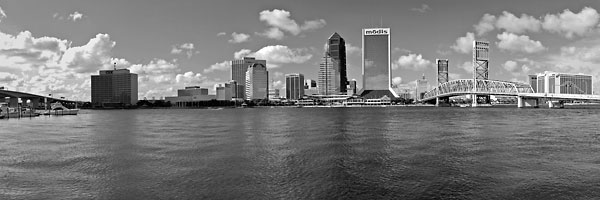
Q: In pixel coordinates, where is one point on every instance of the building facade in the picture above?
(114, 88)
(563, 83)
(352, 87)
(294, 86)
(336, 50)
(192, 90)
(257, 82)
(533, 82)
(239, 68)
(377, 77)
(326, 78)
(310, 87)
(422, 88)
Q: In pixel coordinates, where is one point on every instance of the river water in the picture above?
(306, 153)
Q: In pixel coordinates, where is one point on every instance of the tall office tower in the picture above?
(352, 87)
(533, 81)
(336, 49)
(327, 79)
(114, 88)
(442, 67)
(239, 68)
(377, 77)
(257, 82)
(294, 86)
(422, 87)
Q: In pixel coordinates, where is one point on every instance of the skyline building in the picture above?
(192, 90)
(352, 87)
(326, 80)
(257, 82)
(376, 68)
(422, 88)
(563, 83)
(114, 88)
(239, 68)
(294, 86)
(336, 50)
(533, 82)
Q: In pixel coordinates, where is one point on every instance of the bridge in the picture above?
(524, 92)
(33, 99)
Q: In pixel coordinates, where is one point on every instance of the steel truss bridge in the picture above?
(462, 87)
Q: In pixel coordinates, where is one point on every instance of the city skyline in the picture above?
(53, 47)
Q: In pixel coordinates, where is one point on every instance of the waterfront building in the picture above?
(533, 82)
(227, 91)
(273, 93)
(336, 50)
(442, 68)
(239, 68)
(377, 77)
(352, 87)
(422, 87)
(564, 83)
(257, 82)
(114, 88)
(327, 79)
(310, 87)
(294, 86)
(192, 90)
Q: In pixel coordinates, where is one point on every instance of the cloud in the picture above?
(7, 77)
(411, 61)
(273, 33)
(519, 43)
(222, 66)
(75, 16)
(221, 34)
(514, 68)
(423, 9)
(279, 20)
(510, 66)
(467, 66)
(397, 80)
(189, 78)
(486, 24)
(276, 55)
(351, 49)
(513, 24)
(239, 37)
(464, 44)
(570, 24)
(187, 48)
(89, 57)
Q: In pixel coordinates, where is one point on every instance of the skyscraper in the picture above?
(294, 86)
(114, 88)
(239, 68)
(257, 82)
(336, 50)
(326, 81)
(377, 77)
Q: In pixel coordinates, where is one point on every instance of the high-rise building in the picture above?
(336, 50)
(239, 68)
(563, 83)
(327, 80)
(294, 86)
(114, 88)
(442, 67)
(226, 92)
(377, 77)
(257, 82)
(422, 87)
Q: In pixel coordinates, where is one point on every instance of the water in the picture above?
(308, 153)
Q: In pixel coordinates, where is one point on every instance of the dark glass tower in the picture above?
(336, 49)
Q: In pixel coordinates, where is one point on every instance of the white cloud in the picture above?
(6, 77)
(397, 80)
(187, 48)
(464, 44)
(514, 24)
(423, 9)
(486, 24)
(276, 55)
(516, 70)
(189, 78)
(75, 16)
(221, 34)
(91, 56)
(280, 19)
(239, 37)
(510, 66)
(273, 33)
(351, 49)
(467, 66)
(519, 43)
(570, 24)
(411, 61)
(222, 66)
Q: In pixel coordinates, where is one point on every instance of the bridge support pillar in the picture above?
(13, 102)
(556, 104)
(35, 102)
(530, 103)
(474, 104)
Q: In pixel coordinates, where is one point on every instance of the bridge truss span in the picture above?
(484, 87)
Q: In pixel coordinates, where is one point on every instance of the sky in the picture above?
(52, 47)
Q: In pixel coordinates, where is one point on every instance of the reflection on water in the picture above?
(308, 153)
